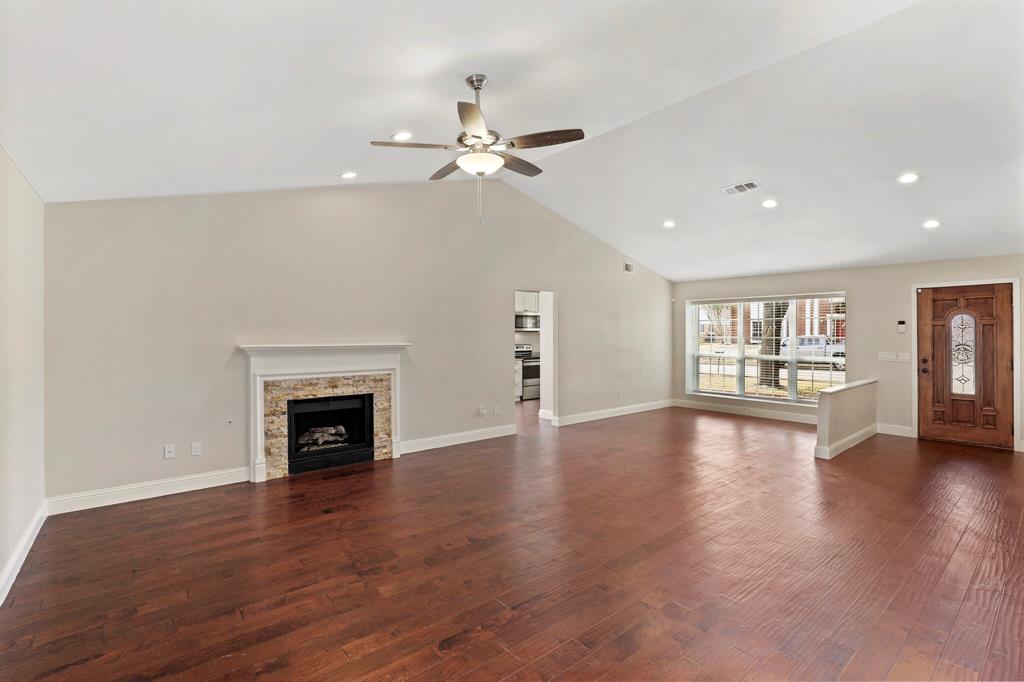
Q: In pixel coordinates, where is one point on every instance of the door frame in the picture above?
(1018, 437)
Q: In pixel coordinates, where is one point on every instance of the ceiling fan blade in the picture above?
(445, 171)
(545, 139)
(521, 166)
(416, 145)
(472, 120)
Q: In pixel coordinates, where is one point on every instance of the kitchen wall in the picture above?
(877, 298)
(148, 299)
(21, 367)
(532, 338)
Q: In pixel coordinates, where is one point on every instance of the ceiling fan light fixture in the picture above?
(480, 163)
(402, 136)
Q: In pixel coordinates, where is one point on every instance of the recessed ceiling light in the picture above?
(769, 203)
(668, 224)
(908, 178)
(930, 224)
(348, 175)
(402, 136)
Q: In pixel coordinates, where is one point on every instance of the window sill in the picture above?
(810, 404)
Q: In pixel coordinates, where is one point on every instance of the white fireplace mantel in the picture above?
(272, 349)
(301, 361)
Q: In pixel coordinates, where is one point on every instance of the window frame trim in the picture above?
(690, 380)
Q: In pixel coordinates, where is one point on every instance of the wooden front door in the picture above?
(965, 364)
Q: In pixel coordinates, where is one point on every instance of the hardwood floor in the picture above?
(671, 544)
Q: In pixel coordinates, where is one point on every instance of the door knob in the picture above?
(924, 370)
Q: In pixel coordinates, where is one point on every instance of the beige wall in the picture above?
(148, 299)
(876, 299)
(21, 357)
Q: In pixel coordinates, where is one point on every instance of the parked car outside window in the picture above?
(818, 346)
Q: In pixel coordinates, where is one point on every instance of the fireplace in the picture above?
(329, 432)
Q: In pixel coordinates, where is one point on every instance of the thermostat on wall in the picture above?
(901, 327)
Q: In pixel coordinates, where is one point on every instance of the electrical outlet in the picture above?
(495, 409)
(197, 449)
(481, 411)
(620, 392)
(169, 452)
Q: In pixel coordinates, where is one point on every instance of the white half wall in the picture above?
(847, 415)
(22, 500)
(147, 300)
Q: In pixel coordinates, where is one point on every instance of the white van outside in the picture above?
(818, 346)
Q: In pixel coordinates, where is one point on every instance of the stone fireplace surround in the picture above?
(278, 373)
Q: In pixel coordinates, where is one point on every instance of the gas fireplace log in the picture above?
(324, 434)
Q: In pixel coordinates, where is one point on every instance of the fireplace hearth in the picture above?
(329, 431)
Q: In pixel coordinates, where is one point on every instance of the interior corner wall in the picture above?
(148, 299)
(877, 298)
(22, 499)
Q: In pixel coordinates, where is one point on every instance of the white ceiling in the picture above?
(119, 99)
(937, 87)
(822, 102)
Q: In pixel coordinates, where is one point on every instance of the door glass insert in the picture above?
(962, 354)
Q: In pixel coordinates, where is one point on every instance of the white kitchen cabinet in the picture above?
(527, 301)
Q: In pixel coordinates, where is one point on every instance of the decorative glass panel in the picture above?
(962, 354)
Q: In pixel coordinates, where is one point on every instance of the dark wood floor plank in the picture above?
(671, 544)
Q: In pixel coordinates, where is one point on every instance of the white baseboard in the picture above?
(843, 444)
(566, 420)
(17, 558)
(544, 414)
(145, 490)
(896, 430)
(748, 411)
(431, 442)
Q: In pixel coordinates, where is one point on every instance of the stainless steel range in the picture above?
(531, 371)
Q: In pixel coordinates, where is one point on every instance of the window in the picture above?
(962, 354)
(780, 349)
(756, 329)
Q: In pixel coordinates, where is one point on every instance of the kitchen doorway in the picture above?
(536, 352)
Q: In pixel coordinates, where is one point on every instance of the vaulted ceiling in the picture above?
(822, 103)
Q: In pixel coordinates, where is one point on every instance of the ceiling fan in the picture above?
(484, 149)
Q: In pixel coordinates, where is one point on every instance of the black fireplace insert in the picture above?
(329, 432)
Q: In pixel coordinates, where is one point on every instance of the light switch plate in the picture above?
(904, 357)
(197, 449)
(886, 356)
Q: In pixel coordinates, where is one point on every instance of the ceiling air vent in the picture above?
(627, 266)
(741, 188)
